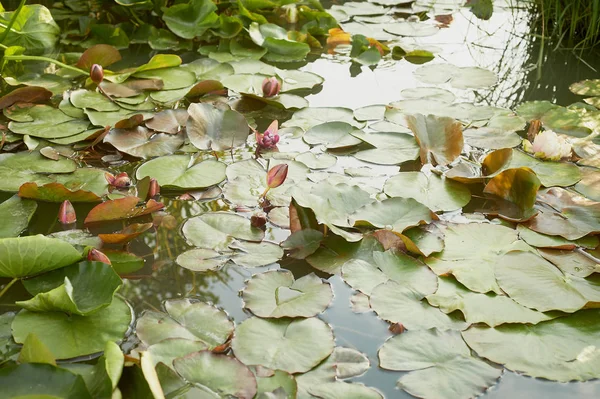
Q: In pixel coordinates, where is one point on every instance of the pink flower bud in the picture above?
(269, 138)
(276, 175)
(97, 73)
(66, 213)
(120, 181)
(96, 256)
(271, 87)
(154, 189)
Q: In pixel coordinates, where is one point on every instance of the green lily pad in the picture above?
(564, 349)
(34, 28)
(556, 242)
(590, 87)
(292, 345)
(93, 100)
(333, 135)
(44, 121)
(437, 193)
(335, 251)
(143, 143)
(578, 263)
(22, 167)
(33, 255)
(396, 214)
(312, 116)
(473, 265)
(255, 254)
(457, 77)
(175, 172)
(344, 390)
(440, 138)
(82, 289)
(21, 211)
(188, 20)
(88, 179)
(217, 374)
(124, 262)
(490, 309)
(218, 230)
(397, 303)
(316, 161)
(170, 349)
(439, 365)
(423, 240)
(172, 78)
(276, 383)
(69, 336)
(195, 321)
(276, 294)
(409, 272)
(210, 128)
(391, 148)
(431, 93)
(275, 39)
(42, 381)
(303, 243)
(56, 192)
(201, 259)
(492, 138)
(536, 283)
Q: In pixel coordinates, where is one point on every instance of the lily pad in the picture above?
(201, 259)
(335, 251)
(396, 214)
(21, 211)
(457, 77)
(22, 167)
(316, 161)
(56, 192)
(440, 138)
(276, 294)
(210, 128)
(33, 255)
(473, 265)
(292, 345)
(312, 116)
(175, 172)
(490, 309)
(345, 390)
(42, 381)
(437, 193)
(536, 283)
(69, 336)
(81, 289)
(91, 99)
(121, 208)
(218, 230)
(217, 374)
(391, 148)
(564, 349)
(333, 135)
(143, 143)
(195, 321)
(439, 365)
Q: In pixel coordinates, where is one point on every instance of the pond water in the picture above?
(503, 44)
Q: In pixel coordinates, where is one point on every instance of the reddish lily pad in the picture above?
(122, 208)
(28, 94)
(56, 192)
(101, 54)
(127, 234)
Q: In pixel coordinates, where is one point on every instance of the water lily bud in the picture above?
(66, 213)
(276, 175)
(154, 189)
(269, 138)
(120, 181)
(97, 73)
(271, 87)
(258, 220)
(96, 256)
(397, 328)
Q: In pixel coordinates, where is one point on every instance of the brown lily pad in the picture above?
(122, 208)
(127, 234)
(56, 192)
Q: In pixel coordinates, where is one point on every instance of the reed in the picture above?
(571, 23)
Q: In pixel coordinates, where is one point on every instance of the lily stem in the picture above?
(12, 21)
(7, 286)
(46, 59)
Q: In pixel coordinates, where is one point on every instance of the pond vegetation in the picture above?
(289, 199)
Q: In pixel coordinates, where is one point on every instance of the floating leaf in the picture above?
(518, 188)
(335, 251)
(56, 192)
(122, 208)
(490, 309)
(42, 380)
(459, 78)
(195, 321)
(80, 289)
(101, 54)
(127, 234)
(439, 365)
(27, 94)
(564, 349)
(175, 172)
(473, 265)
(188, 20)
(143, 143)
(33, 28)
(276, 294)
(590, 87)
(333, 135)
(207, 370)
(292, 345)
(396, 214)
(437, 193)
(33, 255)
(303, 243)
(210, 128)
(346, 390)
(440, 139)
(309, 117)
(545, 241)
(201, 259)
(168, 121)
(316, 161)
(93, 100)
(69, 336)
(536, 283)
(218, 230)
(22, 167)
(579, 263)
(391, 148)
(21, 211)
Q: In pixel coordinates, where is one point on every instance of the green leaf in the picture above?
(292, 345)
(218, 230)
(195, 321)
(217, 374)
(41, 381)
(276, 294)
(391, 148)
(210, 128)
(458, 77)
(440, 138)
(143, 143)
(275, 39)
(81, 289)
(201, 259)
(333, 135)
(536, 283)
(303, 243)
(191, 19)
(335, 251)
(312, 116)
(396, 214)
(21, 211)
(33, 28)
(482, 9)
(490, 309)
(280, 383)
(175, 172)
(589, 87)
(439, 365)
(70, 336)
(344, 390)
(32, 255)
(564, 349)
(34, 351)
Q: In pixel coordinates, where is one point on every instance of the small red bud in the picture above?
(120, 181)
(66, 213)
(271, 87)
(97, 73)
(276, 176)
(97, 256)
(269, 138)
(154, 189)
(397, 328)
(258, 220)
